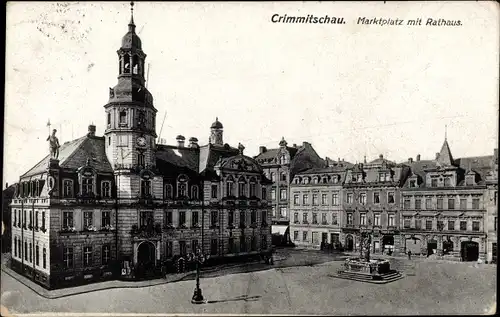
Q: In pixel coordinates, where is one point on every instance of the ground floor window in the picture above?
(37, 255)
(106, 254)
(44, 258)
(169, 250)
(213, 247)
(68, 257)
(295, 235)
(87, 256)
(242, 244)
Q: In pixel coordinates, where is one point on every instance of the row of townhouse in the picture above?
(441, 206)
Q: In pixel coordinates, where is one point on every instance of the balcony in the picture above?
(146, 232)
(195, 226)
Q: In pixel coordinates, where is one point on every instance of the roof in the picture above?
(339, 162)
(184, 157)
(445, 158)
(217, 124)
(325, 170)
(481, 165)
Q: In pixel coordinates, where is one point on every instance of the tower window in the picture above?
(123, 117)
(126, 69)
(135, 65)
(140, 159)
(109, 118)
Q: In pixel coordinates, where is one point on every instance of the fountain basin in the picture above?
(374, 270)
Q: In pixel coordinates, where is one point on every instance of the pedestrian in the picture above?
(409, 254)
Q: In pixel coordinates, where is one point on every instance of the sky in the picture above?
(350, 90)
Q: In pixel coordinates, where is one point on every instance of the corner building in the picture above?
(122, 206)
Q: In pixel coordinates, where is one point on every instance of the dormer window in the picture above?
(168, 191)
(413, 183)
(106, 189)
(87, 185)
(315, 180)
(67, 188)
(297, 180)
(359, 177)
(305, 181)
(335, 179)
(447, 181)
(469, 180)
(283, 176)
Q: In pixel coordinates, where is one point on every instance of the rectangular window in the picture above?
(283, 194)
(376, 219)
(434, 182)
(31, 253)
(253, 243)
(273, 210)
(406, 204)
(349, 219)
(304, 236)
(390, 198)
(24, 219)
(87, 219)
(295, 199)
(418, 204)
(315, 218)
(15, 217)
(334, 219)
(323, 219)
(463, 225)
(324, 199)
(194, 246)
(475, 203)
(253, 217)
(214, 219)
(145, 188)
(315, 199)
(87, 256)
(295, 235)
(376, 198)
(451, 203)
(242, 219)
(230, 245)
(68, 257)
(170, 249)
(123, 117)
(440, 203)
(36, 220)
(253, 189)
(264, 217)
(495, 224)
(349, 198)
(106, 254)
(362, 199)
(451, 225)
(283, 212)
(391, 221)
(407, 223)
(25, 251)
(305, 199)
(168, 218)
(182, 248)
(242, 190)
(106, 218)
(87, 185)
(296, 217)
(273, 193)
(428, 203)
(213, 247)
(106, 189)
(67, 219)
(243, 245)
(475, 226)
(362, 219)
(413, 183)
(418, 224)
(304, 218)
(146, 217)
(15, 246)
(230, 218)
(335, 199)
(182, 218)
(428, 224)
(194, 219)
(67, 188)
(214, 191)
(440, 225)
(463, 204)
(264, 193)
(44, 258)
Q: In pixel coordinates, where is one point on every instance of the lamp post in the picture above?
(199, 257)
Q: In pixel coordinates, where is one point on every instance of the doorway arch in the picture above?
(349, 243)
(431, 246)
(146, 258)
(447, 246)
(469, 251)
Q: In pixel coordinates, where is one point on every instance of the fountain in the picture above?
(366, 269)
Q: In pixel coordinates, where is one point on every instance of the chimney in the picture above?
(381, 156)
(6, 185)
(180, 140)
(437, 155)
(364, 159)
(193, 142)
(91, 130)
(410, 160)
(305, 143)
(262, 149)
(418, 157)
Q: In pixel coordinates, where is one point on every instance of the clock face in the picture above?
(141, 141)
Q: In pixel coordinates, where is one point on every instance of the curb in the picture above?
(16, 276)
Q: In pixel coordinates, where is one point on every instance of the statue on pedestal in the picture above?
(364, 250)
(53, 145)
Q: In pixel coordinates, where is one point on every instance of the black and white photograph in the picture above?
(250, 158)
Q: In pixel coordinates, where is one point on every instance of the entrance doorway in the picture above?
(146, 254)
(432, 245)
(447, 246)
(334, 240)
(470, 251)
(349, 243)
(388, 244)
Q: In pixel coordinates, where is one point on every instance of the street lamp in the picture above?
(199, 257)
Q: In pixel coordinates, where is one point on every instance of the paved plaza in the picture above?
(429, 287)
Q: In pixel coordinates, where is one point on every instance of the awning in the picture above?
(278, 229)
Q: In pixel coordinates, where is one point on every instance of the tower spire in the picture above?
(131, 25)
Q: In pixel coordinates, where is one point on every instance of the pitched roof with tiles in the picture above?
(74, 154)
(270, 154)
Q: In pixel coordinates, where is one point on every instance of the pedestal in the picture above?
(197, 297)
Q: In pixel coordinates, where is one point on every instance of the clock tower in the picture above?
(130, 114)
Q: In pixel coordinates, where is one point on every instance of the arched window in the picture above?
(126, 69)
(242, 188)
(109, 118)
(145, 187)
(194, 192)
(253, 187)
(182, 184)
(140, 159)
(229, 186)
(168, 191)
(106, 189)
(283, 176)
(135, 65)
(123, 117)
